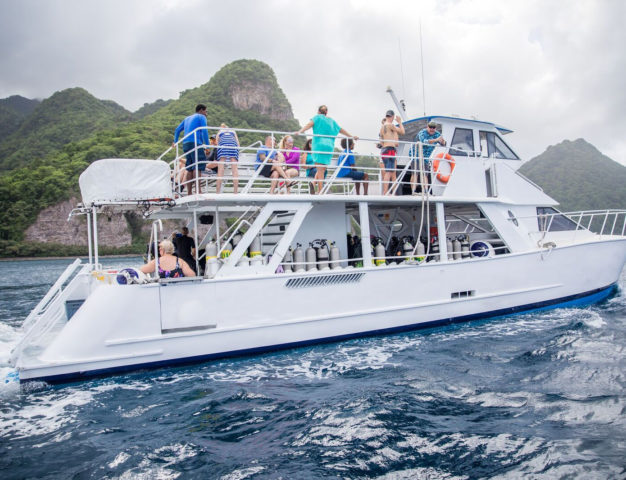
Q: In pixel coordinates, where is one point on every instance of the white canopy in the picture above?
(120, 180)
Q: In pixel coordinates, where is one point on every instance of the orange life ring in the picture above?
(443, 156)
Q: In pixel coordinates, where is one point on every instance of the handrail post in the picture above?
(89, 240)
(606, 216)
(95, 237)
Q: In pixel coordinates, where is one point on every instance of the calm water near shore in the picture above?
(541, 395)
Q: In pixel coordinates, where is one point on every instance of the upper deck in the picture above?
(475, 164)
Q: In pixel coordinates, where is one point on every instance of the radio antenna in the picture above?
(401, 69)
(422, 60)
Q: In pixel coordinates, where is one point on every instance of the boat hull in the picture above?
(210, 319)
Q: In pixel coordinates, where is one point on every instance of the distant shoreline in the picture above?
(15, 259)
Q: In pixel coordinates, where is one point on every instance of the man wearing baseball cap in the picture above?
(428, 137)
(389, 134)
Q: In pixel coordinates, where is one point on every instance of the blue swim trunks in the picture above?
(190, 154)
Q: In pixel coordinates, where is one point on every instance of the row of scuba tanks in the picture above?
(253, 257)
(322, 254)
(405, 249)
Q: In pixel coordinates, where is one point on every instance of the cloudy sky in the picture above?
(549, 70)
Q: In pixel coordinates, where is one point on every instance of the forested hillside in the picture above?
(578, 176)
(13, 111)
(243, 94)
(65, 117)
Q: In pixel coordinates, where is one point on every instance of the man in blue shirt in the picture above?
(345, 163)
(428, 136)
(196, 136)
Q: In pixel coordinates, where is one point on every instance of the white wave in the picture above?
(156, 465)
(8, 339)
(243, 473)
(336, 430)
(429, 473)
(119, 459)
(608, 411)
(47, 414)
(593, 319)
(317, 363)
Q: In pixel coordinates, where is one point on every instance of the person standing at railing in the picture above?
(325, 129)
(185, 248)
(346, 167)
(428, 137)
(227, 151)
(196, 137)
(389, 134)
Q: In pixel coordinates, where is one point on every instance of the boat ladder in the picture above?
(48, 312)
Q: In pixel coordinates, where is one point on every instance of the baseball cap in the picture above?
(389, 113)
(432, 124)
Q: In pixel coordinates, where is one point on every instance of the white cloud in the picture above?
(549, 70)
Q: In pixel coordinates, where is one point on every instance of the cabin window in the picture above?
(492, 146)
(551, 220)
(462, 142)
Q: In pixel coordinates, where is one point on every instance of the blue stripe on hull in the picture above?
(579, 300)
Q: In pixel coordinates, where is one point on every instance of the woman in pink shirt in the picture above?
(289, 157)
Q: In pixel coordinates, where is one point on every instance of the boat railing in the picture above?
(249, 168)
(47, 312)
(603, 223)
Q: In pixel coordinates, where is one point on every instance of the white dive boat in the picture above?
(479, 241)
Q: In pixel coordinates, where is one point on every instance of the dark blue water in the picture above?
(541, 395)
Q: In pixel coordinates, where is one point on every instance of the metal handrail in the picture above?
(37, 321)
(545, 220)
(402, 169)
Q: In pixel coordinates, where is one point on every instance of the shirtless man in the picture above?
(389, 134)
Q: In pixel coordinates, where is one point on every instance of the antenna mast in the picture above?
(422, 60)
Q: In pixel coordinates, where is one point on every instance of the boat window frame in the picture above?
(493, 144)
(554, 220)
(459, 151)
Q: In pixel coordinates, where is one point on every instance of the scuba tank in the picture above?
(287, 261)
(322, 255)
(395, 250)
(237, 238)
(434, 250)
(255, 247)
(421, 251)
(456, 249)
(298, 258)
(212, 265)
(465, 246)
(449, 248)
(310, 258)
(334, 256)
(227, 250)
(379, 253)
(357, 252)
(407, 248)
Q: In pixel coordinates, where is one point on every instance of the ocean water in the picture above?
(541, 395)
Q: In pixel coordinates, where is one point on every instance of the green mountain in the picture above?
(150, 108)
(254, 100)
(66, 116)
(13, 111)
(578, 176)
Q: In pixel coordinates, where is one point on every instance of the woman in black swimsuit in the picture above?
(170, 266)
